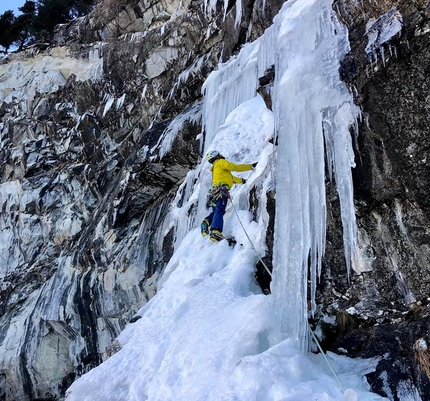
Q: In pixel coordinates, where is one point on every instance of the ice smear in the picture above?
(191, 115)
(191, 70)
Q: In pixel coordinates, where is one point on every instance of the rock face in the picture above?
(97, 133)
(383, 311)
(99, 130)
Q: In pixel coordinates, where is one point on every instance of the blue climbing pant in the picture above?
(216, 218)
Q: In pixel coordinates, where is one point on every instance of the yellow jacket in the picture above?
(221, 172)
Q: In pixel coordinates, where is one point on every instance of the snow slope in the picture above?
(206, 335)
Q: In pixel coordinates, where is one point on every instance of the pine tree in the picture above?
(38, 20)
(6, 21)
(22, 28)
(49, 14)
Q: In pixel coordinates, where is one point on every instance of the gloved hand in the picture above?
(243, 181)
(254, 165)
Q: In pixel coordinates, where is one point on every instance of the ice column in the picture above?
(308, 96)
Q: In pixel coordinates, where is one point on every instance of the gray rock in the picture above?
(91, 157)
(98, 130)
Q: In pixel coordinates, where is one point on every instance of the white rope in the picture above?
(314, 337)
(249, 239)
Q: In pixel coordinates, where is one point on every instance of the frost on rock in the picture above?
(193, 69)
(381, 30)
(191, 115)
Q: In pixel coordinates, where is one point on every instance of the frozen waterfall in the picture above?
(311, 104)
(313, 109)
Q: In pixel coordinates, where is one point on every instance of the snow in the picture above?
(209, 333)
(206, 336)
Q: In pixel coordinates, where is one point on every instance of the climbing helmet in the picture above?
(210, 157)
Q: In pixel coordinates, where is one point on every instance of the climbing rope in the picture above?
(314, 337)
(250, 241)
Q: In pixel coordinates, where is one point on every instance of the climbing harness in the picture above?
(314, 337)
(217, 192)
(220, 191)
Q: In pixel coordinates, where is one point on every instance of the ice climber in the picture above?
(222, 181)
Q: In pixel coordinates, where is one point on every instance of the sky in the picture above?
(11, 5)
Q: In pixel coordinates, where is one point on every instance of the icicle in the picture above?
(109, 103)
(120, 102)
(381, 49)
(366, 120)
(210, 7)
(383, 29)
(225, 8)
(235, 82)
(249, 31)
(144, 92)
(308, 96)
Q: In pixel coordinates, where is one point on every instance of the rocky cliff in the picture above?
(100, 128)
(383, 309)
(98, 131)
